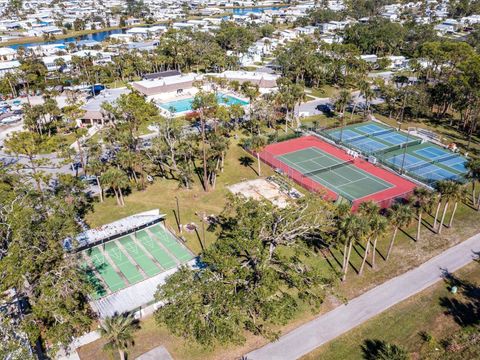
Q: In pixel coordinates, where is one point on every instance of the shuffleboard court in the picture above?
(346, 180)
(123, 263)
(106, 270)
(99, 289)
(171, 244)
(139, 256)
(155, 250)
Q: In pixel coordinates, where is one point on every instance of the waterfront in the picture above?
(97, 36)
(102, 35)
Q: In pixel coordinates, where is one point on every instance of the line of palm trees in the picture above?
(370, 222)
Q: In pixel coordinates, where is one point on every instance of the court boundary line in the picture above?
(361, 172)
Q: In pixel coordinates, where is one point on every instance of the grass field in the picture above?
(402, 324)
(406, 255)
(325, 91)
(161, 194)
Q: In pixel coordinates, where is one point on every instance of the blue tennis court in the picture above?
(421, 167)
(409, 162)
(431, 152)
(456, 163)
(370, 128)
(346, 135)
(368, 145)
(394, 138)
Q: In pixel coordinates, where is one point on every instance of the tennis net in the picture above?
(446, 158)
(433, 162)
(416, 166)
(369, 135)
(329, 168)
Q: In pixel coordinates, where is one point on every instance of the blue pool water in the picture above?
(183, 105)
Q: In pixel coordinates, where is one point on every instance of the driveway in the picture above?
(327, 327)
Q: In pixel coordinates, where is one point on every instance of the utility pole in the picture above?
(405, 152)
(178, 216)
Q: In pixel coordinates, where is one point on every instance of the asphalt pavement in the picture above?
(321, 330)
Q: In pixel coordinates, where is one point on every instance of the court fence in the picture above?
(280, 167)
(410, 171)
(382, 155)
(385, 203)
(312, 186)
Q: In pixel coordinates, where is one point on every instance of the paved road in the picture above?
(317, 332)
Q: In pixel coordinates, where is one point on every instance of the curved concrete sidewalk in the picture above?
(317, 332)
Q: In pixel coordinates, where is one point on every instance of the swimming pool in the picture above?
(179, 106)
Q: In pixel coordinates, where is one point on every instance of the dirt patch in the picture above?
(260, 189)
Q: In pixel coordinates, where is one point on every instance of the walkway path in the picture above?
(317, 332)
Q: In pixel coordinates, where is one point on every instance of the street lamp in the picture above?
(178, 216)
(405, 151)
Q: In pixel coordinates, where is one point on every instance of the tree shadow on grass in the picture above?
(408, 235)
(378, 349)
(464, 306)
(247, 161)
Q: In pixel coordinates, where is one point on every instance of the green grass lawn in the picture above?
(402, 324)
(325, 91)
(406, 254)
(323, 121)
(161, 195)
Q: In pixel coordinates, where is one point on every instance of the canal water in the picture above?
(98, 36)
(102, 35)
(244, 11)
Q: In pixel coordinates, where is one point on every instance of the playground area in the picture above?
(130, 259)
(324, 168)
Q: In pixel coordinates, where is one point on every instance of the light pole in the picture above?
(405, 151)
(178, 216)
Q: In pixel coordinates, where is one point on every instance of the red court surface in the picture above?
(275, 154)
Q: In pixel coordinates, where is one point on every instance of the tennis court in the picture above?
(128, 260)
(342, 177)
(428, 162)
(372, 138)
(324, 168)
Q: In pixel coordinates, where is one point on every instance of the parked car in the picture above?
(327, 109)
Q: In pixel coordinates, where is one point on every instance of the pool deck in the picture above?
(190, 95)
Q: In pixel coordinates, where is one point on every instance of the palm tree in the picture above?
(422, 199)
(367, 93)
(350, 229)
(203, 103)
(118, 333)
(96, 167)
(115, 179)
(369, 210)
(258, 142)
(440, 187)
(458, 194)
(399, 216)
(341, 102)
(450, 191)
(379, 226)
(473, 166)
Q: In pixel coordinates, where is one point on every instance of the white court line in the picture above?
(364, 175)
